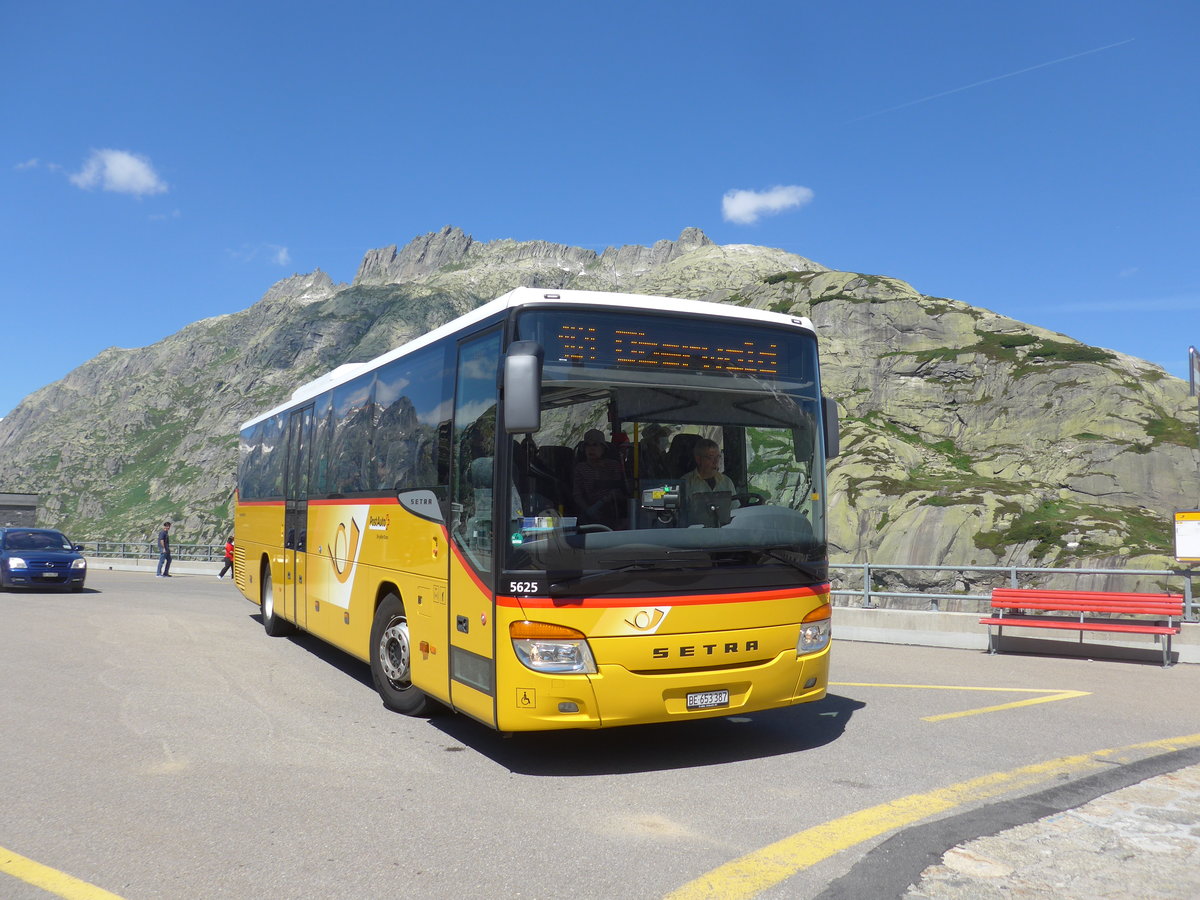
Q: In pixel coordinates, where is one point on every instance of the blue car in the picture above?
(40, 558)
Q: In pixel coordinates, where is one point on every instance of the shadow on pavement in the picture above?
(649, 748)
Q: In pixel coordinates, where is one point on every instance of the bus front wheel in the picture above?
(391, 660)
(272, 623)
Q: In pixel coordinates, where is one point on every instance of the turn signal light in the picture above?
(533, 631)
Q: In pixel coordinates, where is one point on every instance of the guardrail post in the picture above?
(1012, 578)
(867, 604)
(1188, 612)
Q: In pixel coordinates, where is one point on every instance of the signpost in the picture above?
(1194, 380)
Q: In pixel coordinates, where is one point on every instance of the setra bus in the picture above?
(437, 512)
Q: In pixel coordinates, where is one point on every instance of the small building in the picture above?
(18, 509)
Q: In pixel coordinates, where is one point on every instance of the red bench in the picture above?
(1086, 611)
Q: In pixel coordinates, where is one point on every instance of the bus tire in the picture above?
(272, 623)
(391, 660)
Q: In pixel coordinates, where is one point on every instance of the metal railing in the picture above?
(864, 574)
(149, 550)
(1174, 580)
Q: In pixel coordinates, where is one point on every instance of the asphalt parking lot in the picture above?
(157, 744)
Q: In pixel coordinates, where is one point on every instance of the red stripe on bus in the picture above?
(467, 567)
(356, 501)
(648, 600)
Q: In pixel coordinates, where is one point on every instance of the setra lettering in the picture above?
(728, 649)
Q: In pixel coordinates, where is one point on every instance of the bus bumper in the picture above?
(538, 702)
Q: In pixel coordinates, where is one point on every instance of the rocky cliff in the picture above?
(968, 437)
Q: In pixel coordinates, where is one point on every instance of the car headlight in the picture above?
(552, 648)
(79, 563)
(15, 562)
(815, 630)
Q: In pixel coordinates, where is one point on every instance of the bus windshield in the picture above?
(668, 445)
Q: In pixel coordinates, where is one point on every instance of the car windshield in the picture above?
(654, 470)
(36, 540)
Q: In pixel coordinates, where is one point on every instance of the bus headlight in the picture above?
(815, 630)
(552, 648)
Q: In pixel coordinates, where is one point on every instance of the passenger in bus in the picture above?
(599, 488)
(652, 452)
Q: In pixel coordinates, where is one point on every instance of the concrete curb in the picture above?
(178, 566)
(962, 631)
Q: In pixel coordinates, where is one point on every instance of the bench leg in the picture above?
(992, 639)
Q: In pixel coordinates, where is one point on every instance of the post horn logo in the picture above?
(343, 550)
(648, 619)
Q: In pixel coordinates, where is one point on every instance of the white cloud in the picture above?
(28, 164)
(747, 207)
(276, 254)
(120, 172)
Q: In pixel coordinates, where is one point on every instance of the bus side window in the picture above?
(408, 394)
(475, 448)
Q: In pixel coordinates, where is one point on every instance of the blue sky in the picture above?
(165, 162)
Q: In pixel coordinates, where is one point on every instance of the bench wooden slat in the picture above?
(1082, 595)
(1046, 622)
(1163, 609)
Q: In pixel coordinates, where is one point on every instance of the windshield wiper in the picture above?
(818, 571)
(656, 564)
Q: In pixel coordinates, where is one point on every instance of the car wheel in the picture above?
(391, 660)
(272, 624)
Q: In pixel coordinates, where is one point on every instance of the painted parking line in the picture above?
(753, 873)
(1049, 695)
(51, 880)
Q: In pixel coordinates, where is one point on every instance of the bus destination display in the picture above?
(684, 349)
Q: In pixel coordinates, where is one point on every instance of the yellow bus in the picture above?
(565, 509)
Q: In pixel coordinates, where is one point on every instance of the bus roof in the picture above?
(527, 296)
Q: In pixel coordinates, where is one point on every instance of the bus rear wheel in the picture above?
(391, 660)
(272, 623)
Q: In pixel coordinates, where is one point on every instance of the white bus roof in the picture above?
(526, 296)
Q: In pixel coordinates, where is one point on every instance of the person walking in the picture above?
(228, 558)
(164, 551)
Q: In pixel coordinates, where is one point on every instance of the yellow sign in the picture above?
(1187, 536)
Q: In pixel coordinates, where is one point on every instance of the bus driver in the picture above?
(707, 476)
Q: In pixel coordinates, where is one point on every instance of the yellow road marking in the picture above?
(1050, 696)
(50, 880)
(755, 872)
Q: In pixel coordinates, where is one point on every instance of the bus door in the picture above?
(472, 521)
(295, 517)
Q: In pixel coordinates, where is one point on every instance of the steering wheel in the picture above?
(751, 499)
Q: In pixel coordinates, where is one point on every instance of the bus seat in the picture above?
(680, 455)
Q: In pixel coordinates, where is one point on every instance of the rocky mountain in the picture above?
(968, 437)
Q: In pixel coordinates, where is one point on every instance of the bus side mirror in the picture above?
(833, 438)
(523, 387)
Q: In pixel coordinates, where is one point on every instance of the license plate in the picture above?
(49, 574)
(707, 699)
